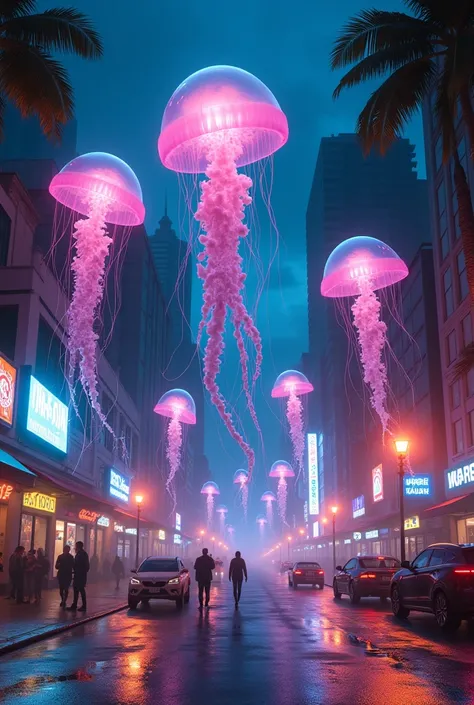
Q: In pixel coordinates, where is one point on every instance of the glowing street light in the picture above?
(401, 447)
(138, 500)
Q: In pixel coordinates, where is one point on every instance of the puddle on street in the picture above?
(30, 685)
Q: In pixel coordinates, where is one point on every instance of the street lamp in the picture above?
(138, 500)
(334, 512)
(289, 540)
(401, 446)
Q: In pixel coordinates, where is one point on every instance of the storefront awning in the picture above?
(13, 470)
(456, 505)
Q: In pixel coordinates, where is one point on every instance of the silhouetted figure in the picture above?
(204, 566)
(30, 566)
(65, 567)
(237, 572)
(16, 570)
(118, 570)
(40, 572)
(81, 568)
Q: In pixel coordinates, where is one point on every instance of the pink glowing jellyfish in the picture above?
(241, 478)
(218, 119)
(210, 489)
(293, 384)
(231, 531)
(178, 406)
(269, 498)
(104, 189)
(261, 521)
(282, 470)
(222, 511)
(358, 267)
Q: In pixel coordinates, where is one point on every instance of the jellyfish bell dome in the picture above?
(268, 497)
(177, 403)
(281, 468)
(361, 258)
(220, 99)
(240, 477)
(210, 488)
(100, 173)
(222, 509)
(291, 381)
(261, 519)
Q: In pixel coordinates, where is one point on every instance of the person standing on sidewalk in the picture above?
(237, 571)
(64, 566)
(30, 575)
(40, 572)
(204, 566)
(81, 568)
(16, 570)
(118, 570)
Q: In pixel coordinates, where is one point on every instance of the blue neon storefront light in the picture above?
(417, 486)
(47, 416)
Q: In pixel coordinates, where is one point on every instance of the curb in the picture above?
(41, 636)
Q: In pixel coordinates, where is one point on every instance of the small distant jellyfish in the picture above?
(222, 511)
(178, 406)
(217, 120)
(261, 521)
(294, 384)
(359, 267)
(211, 490)
(282, 470)
(231, 531)
(269, 498)
(241, 478)
(105, 190)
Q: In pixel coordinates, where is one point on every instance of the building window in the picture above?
(456, 394)
(458, 437)
(441, 196)
(466, 325)
(448, 293)
(5, 229)
(452, 347)
(470, 382)
(471, 428)
(444, 236)
(462, 277)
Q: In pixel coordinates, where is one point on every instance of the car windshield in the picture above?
(468, 554)
(159, 565)
(390, 563)
(308, 566)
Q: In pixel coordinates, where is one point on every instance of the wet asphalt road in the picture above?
(282, 647)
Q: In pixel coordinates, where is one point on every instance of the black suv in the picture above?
(440, 580)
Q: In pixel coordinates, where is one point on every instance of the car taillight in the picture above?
(320, 572)
(464, 571)
(298, 572)
(368, 575)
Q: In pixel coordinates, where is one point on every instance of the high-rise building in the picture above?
(352, 195)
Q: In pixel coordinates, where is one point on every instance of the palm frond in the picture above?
(61, 29)
(464, 363)
(394, 103)
(385, 61)
(16, 8)
(38, 85)
(440, 12)
(374, 30)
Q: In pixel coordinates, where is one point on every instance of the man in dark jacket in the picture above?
(237, 571)
(16, 569)
(81, 568)
(65, 567)
(204, 566)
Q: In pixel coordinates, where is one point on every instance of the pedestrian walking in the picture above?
(81, 568)
(237, 572)
(41, 570)
(30, 575)
(204, 566)
(16, 571)
(118, 571)
(64, 566)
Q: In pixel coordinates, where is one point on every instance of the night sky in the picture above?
(150, 48)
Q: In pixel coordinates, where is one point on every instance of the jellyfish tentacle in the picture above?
(245, 373)
(173, 454)
(270, 513)
(282, 493)
(245, 499)
(294, 414)
(210, 509)
(372, 335)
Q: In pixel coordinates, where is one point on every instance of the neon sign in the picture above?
(372, 534)
(36, 500)
(162, 535)
(460, 478)
(119, 486)
(358, 507)
(103, 521)
(178, 522)
(412, 523)
(417, 485)
(313, 480)
(87, 515)
(7, 391)
(5, 490)
(47, 416)
(377, 483)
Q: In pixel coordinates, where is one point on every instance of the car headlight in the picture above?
(134, 581)
(173, 581)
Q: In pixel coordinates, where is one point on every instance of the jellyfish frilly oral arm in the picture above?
(173, 453)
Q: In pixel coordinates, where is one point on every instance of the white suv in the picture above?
(159, 578)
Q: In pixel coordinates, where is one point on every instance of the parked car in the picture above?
(441, 581)
(365, 576)
(306, 573)
(159, 578)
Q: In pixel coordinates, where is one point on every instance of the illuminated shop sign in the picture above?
(357, 536)
(313, 480)
(305, 512)
(460, 478)
(119, 486)
(162, 535)
(372, 534)
(315, 529)
(178, 522)
(177, 539)
(5, 490)
(346, 541)
(47, 417)
(358, 507)
(119, 528)
(412, 523)
(36, 500)
(87, 515)
(103, 521)
(131, 531)
(7, 391)
(377, 483)
(417, 485)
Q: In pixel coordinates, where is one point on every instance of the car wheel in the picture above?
(353, 594)
(337, 594)
(180, 602)
(146, 603)
(132, 603)
(445, 617)
(398, 609)
(321, 586)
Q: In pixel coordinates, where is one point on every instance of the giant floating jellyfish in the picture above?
(294, 384)
(178, 406)
(222, 511)
(282, 470)
(261, 521)
(218, 119)
(359, 267)
(241, 478)
(210, 489)
(269, 498)
(104, 189)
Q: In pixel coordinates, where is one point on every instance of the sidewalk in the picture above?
(25, 624)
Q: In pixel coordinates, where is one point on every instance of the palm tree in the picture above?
(30, 76)
(428, 51)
